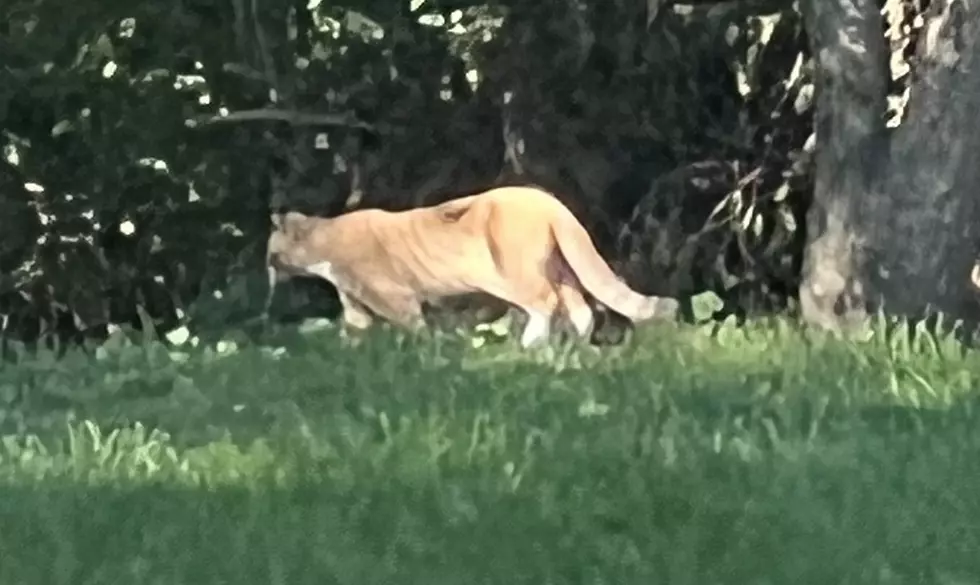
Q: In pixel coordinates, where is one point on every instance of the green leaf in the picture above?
(61, 128)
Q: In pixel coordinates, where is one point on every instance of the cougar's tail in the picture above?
(599, 279)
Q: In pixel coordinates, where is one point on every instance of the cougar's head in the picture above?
(288, 252)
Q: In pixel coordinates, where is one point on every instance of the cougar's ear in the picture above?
(288, 220)
(294, 217)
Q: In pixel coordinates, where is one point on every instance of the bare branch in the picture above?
(512, 137)
(653, 9)
(267, 62)
(292, 117)
(240, 38)
(583, 30)
(245, 71)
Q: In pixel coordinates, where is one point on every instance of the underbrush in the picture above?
(764, 454)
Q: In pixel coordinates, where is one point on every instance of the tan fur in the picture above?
(518, 244)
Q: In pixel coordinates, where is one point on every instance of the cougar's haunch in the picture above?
(518, 244)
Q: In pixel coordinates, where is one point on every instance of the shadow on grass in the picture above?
(904, 515)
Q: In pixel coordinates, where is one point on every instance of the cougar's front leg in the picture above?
(404, 310)
(355, 314)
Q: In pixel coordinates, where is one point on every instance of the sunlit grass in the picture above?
(764, 454)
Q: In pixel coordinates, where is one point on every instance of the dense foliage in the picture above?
(144, 144)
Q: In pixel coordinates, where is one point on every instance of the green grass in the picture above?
(758, 456)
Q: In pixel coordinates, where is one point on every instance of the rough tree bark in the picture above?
(893, 221)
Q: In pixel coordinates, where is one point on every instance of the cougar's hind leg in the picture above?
(571, 297)
(575, 306)
(537, 329)
(539, 306)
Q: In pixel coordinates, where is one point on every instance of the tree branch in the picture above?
(292, 117)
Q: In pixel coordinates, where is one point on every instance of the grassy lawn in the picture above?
(762, 455)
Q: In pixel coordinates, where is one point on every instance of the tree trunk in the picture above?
(892, 225)
(849, 80)
(928, 241)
